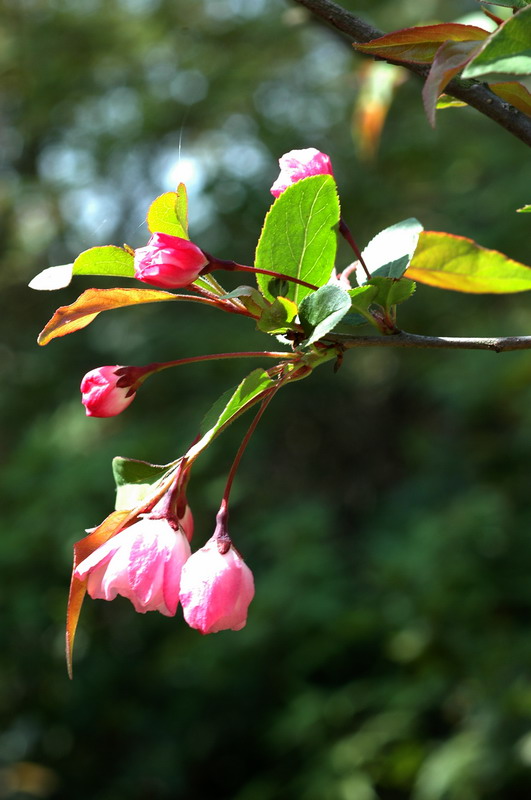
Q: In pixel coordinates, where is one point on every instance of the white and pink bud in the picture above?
(217, 587)
(169, 261)
(102, 394)
(142, 562)
(299, 164)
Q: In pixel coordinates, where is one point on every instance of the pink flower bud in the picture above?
(298, 164)
(101, 395)
(216, 589)
(142, 562)
(169, 261)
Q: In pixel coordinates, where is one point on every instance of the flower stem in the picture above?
(344, 230)
(218, 263)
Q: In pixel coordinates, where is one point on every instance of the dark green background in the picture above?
(385, 510)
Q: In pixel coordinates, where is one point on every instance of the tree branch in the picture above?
(403, 339)
(476, 95)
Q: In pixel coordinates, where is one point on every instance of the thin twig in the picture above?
(499, 344)
(476, 95)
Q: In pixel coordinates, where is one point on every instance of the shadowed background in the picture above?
(384, 510)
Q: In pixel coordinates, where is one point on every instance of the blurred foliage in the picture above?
(384, 510)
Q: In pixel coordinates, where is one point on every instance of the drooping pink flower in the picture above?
(169, 261)
(187, 522)
(216, 589)
(298, 164)
(101, 395)
(142, 562)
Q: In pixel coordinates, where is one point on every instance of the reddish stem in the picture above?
(218, 263)
(344, 230)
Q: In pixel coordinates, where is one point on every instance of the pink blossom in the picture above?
(142, 562)
(101, 395)
(298, 164)
(169, 261)
(186, 522)
(216, 589)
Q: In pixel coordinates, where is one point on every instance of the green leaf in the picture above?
(135, 479)
(277, 317)
(231, 404)
(250, 298)
(299, 237)
(168, 213)
(419, 44)
(321, 311)
(454, 262)
(362, 297)
(391, 292)
(391, 250)
(508, 3)
(514, 93)
(507, 51)
(107, 260)
(524, 210)
(88, 305)
(445, 101)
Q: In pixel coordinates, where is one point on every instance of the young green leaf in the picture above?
(362, 297)
(419, 45)
(391, 292)
(135, 479)
(299, 237)
(277, 318)
(321, 311)
(508, 3)
(507, 51)
(445, 101)
(524, 210)
(106, 260)
(88, 305)
(454, 262)
(168, 213)
(391, 250)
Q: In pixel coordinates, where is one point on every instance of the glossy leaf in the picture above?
(450, 58)
(86, 308)
(299, 237)
(250, 298)
(507, 51)
(168, 213)
(321, 311)
(134, 479)
(509, 3)
(362, 297)
(524, 210)
(391, 250)
(391, 292)
(454, 262)
(277, 317)
(514, 93)
(445, 101)
(419, 45)
(107, 260)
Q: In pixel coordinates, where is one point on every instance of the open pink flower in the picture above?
(101, 395)
(142, 562)
(169, 261)
(216, 589)
(298, 164)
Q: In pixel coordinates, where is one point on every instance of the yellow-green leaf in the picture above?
(458, 263)
(168, 213)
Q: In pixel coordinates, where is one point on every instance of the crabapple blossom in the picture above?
(299, 164)
(101, 395)
(169, 261)
(216, 589)
(142, 562)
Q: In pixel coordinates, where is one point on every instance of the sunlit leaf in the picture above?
(445, 101)
(86, 308)
(299, 237)
(321, 311)
(377, 84)
(168, 213)
(507, 51)
(107, 260)
(391, 250)
(508, 3)
(454, 262)
(524, 210)
(419, 45)
(450, 58)
(391, 292)
(514, 93)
